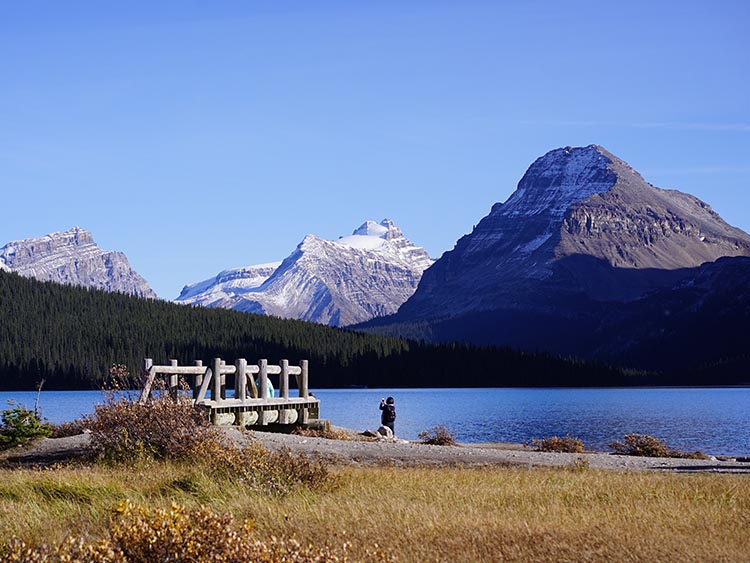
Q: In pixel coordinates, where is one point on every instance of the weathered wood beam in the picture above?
(284, 383)
(150, 373)
(303, 390)
(240, 379)
(198, 378)
(263, 391)
(207, 377)
(173, 380)
(181, 370)
(216, 387)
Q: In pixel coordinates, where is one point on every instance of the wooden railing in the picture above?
(249, 397)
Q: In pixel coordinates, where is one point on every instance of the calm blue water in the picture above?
(714, 420)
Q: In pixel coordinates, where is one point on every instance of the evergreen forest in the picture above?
(71, 336)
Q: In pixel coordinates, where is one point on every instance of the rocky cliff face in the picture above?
(581, 222)
(353, 279)
(72, 257)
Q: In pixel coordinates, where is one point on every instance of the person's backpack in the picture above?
(389, 413)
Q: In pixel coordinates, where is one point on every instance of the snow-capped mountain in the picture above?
(367, 274)
(72, 257)
(221, 289)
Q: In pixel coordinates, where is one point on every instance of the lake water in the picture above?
(715, 420)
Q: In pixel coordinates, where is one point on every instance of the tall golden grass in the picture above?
(419, 514)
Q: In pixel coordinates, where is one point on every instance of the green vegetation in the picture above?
(71, 336)
(566, 444)
(648, 446)
(19, 426)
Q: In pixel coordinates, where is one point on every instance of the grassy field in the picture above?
(417, 514)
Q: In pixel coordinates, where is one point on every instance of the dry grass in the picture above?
(418, 514)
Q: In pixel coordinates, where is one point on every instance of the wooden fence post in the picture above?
(216, 387)
(240, 380)
(263, 387)
(284, 380)
(284, 390)
(303, 391)
(223, 382)
(197, 379)
(173, 380)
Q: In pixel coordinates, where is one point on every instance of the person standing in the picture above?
(388, 413)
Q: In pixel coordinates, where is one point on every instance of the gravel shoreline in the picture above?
(400, 452)
(410, 453)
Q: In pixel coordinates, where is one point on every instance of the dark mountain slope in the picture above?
(581, 259)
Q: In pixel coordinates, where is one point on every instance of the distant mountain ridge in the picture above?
(367, 274)
(72, 257)
(584, 245)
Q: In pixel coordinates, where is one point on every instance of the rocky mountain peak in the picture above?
(386, 230)
(559, 179)
(338, 282)
(72, 257)
(577, 215)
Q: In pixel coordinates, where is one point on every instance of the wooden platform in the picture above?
(257, 408)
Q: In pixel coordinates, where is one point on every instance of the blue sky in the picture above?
(199, 136)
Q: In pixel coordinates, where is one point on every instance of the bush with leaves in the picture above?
(647, 446)
(437, 436)
(19, 426)
(566, 444)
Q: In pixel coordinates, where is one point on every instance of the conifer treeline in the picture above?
(70, 336)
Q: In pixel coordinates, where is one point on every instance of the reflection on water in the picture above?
(715, 420)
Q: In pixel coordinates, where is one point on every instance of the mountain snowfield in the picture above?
(72, 257)
(367, 274)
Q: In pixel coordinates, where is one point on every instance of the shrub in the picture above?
(123, 431)
(139, 534)
(566, 444)
(72, 428)
(19, 426)
(437, 436)
(648, 446)
(164, 428)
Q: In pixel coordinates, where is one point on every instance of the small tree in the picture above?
(19, 426)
